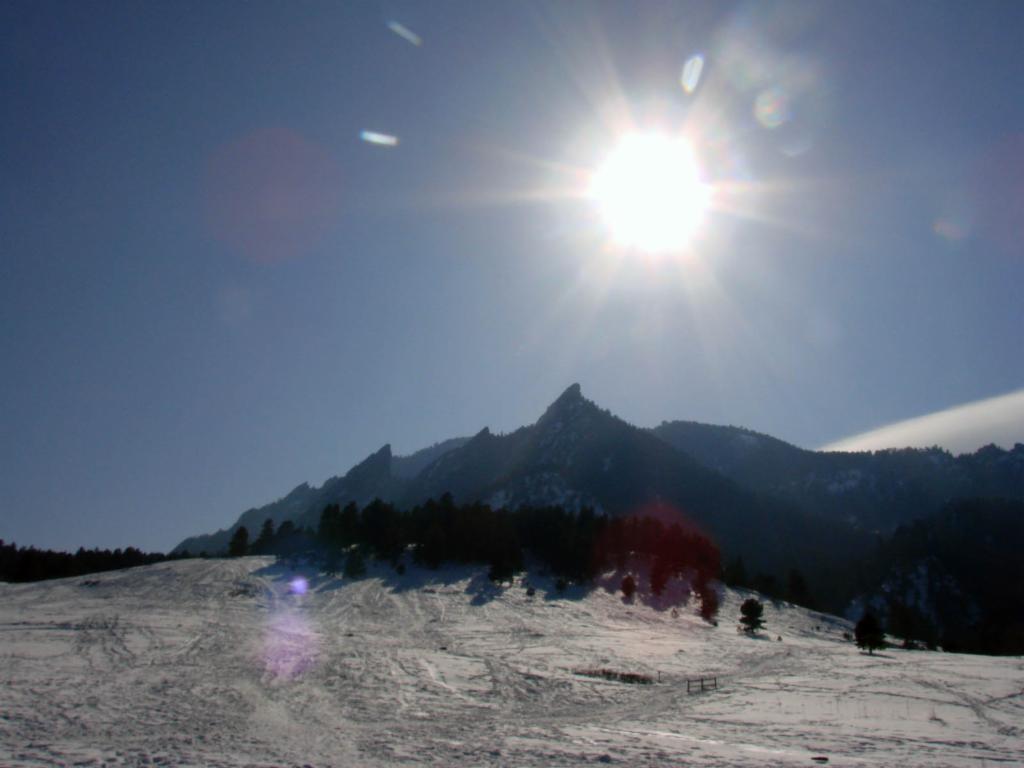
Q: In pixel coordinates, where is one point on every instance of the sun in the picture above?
(650, 192)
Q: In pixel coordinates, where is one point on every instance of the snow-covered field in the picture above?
(225, 663)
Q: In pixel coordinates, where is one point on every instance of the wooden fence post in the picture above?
(705, 683)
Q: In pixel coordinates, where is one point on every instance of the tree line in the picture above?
(573, 547)
(967, 557)
(793, 589)
(20, 564)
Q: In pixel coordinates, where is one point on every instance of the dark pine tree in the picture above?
(329, 529)
(751, 612)
(355, 564)
(766, 584)
(708, 603)
(868, 633)
(348, 523)
(736, 574)
(506, 556)
(628, 586)
(332, 561)
(239, 544)
(907, 622)
(659, 575)
(432, 549)
(265, 541)
(797, 591)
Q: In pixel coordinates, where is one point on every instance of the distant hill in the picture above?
(878, 490)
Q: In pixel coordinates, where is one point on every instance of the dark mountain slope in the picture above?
(291, 507)
(873, 491)
(955, 578)
(577, 455)
(407, 467)
(371, 478)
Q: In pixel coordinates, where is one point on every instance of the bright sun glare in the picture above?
(650, 192)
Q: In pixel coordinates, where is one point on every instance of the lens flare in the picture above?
(272, 194)
(771, 107)
(691, 73)
(405, 33)
(298, 586)
(950, 229)
(379, 139)
(290, 647)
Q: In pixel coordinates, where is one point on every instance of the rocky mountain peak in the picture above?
(569, 406)
(376, 464)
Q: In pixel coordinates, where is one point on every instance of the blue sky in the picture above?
(212, 290)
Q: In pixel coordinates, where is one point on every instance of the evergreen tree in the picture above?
(736, 574)
(868, 633)
(907, 622)
(329, 529)
(239, 544)
(629, 586)
(265, 541)
(501, 570)
(31, 564)
(355, 564)
(659, 576)
(348, 523)
(751, 612)
(382, 528)
(766, 584)
(506, 559)
(432, 549)
(797, 591)
(290, 541)
(332, 561)
(708, 603)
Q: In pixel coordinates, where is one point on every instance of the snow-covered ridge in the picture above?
(239, 662)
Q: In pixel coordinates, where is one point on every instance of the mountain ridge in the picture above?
(874, 490)
(765, 499)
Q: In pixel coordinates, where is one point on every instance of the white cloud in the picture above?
(960, 429)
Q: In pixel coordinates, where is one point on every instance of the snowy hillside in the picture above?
(237, 662)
